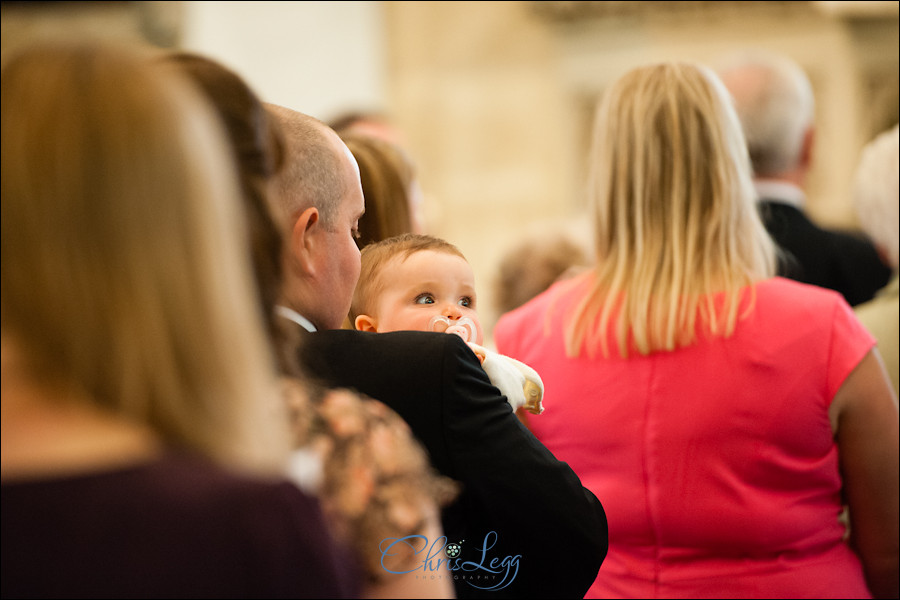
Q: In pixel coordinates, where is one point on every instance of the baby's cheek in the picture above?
(479, 334)
(408, 320)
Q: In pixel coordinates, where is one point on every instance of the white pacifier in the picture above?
(464, 327)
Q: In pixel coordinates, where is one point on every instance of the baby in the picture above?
(422, 283)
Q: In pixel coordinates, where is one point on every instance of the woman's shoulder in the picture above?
(203, 524)
(542, 314)
(781, 294)
(174, 480)
(786, 308)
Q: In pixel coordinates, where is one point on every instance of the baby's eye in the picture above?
(465, 301)
(355, 233)
(424, 299)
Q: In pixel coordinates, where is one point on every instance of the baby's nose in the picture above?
(452, 311)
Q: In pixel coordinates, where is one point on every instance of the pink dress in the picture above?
(716, 463)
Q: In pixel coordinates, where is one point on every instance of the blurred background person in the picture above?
(390, 188)
(775, 103)
(142, 439)
(720, 412)
(367, 122)
(354, 453)
(533, 265)
(876, 200)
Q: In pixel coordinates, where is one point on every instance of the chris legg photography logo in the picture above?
(440, 559)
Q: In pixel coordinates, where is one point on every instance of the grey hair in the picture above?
(774, 101)
(876, 191)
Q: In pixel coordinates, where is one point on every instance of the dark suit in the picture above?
(512, 485)
(832, 259)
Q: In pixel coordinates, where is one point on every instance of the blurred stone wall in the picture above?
(496, 98)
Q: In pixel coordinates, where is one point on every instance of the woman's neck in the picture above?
(50, 433)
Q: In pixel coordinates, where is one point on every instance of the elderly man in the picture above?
(523, 525)
(774, 101)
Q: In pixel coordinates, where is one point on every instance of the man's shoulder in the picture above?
(395, 342)
(773, 211)
(401, 352)
(852, 246)
(776, 213)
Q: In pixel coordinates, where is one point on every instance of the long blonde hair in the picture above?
(125, 271)
(675, 214)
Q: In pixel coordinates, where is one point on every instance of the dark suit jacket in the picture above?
(832, 259)
(512, 485)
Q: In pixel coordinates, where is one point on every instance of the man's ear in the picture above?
(806, 149)
(365, 323)
(302, 240)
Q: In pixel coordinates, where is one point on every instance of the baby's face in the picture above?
(425, 285)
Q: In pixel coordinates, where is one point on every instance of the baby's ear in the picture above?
(365, 323)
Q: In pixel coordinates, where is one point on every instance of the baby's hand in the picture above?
(480, 352)
(521, 384)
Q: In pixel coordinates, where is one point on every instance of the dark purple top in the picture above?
(176, 527)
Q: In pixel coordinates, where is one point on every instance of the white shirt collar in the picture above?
(780, 191)
(293, 315)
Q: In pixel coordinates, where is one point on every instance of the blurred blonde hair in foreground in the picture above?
(122, 282)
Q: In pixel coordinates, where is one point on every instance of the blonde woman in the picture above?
(139, 438)
(719, 413)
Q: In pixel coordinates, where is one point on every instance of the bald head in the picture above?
(321, 198)
(774, 102)
(311, 176)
